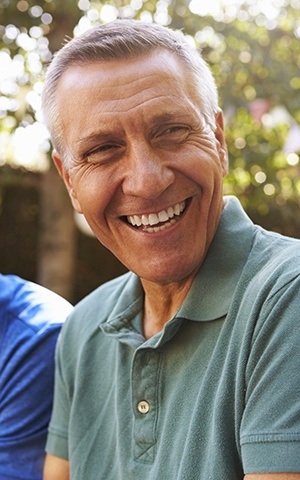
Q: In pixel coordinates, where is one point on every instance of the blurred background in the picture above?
(253, 48)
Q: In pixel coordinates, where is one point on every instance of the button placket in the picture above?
(145, 385)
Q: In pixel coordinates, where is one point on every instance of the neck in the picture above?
(161, 303)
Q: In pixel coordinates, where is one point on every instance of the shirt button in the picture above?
(143, 406)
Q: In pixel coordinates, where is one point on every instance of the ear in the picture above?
(220, 136)
(65, 175)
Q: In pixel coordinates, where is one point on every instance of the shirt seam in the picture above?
(270, 438)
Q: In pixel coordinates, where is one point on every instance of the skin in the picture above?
(138, 145)
(142, 147)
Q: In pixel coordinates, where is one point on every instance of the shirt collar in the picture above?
(212, 291)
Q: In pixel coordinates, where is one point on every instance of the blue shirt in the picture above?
(30, 320)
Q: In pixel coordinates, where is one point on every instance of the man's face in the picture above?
(145, 169)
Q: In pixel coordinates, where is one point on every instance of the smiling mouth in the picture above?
(157, 222)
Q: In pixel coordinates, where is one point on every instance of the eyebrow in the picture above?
(94, 137)
(170, 116)
(175, 116)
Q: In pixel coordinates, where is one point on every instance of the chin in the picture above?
(168, 275)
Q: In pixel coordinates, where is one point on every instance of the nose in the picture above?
(147, 175)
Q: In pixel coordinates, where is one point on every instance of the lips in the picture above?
(156, 222)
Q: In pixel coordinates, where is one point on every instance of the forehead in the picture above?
(121, 86)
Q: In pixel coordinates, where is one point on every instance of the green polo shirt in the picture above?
(213, 396)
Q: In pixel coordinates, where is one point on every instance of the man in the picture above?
(188, 366)
(31, 318)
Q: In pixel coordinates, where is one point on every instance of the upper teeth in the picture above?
(155, 218)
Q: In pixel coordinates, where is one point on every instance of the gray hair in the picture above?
(125, 39)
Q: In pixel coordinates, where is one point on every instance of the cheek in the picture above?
(203, 153)
(204, 169)
(93, 190)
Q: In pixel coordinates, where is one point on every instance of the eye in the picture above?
(177, 128)
(172, 135)
(102, 153)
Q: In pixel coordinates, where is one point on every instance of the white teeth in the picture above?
(156, 218)
(145, 220)
(137, 220)
(153, 219)
(161, 228)
(163, 216)
(170, 212)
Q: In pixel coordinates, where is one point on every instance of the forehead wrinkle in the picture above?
(167, 100)
(113, 120)
(74, 79)
(123, 82)
(136, 101)
(148, 83)
(124, 88)
(138, 87)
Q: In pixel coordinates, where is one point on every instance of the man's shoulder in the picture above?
(274, 260)
(277, 248)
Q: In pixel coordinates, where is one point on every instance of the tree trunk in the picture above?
(57, 242)
(57, 239)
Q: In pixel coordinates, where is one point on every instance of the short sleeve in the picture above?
(57, 441)
(270, 428)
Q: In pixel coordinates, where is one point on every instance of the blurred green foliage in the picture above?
(253, 49)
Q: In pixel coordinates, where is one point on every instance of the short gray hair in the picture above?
(125, 39)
